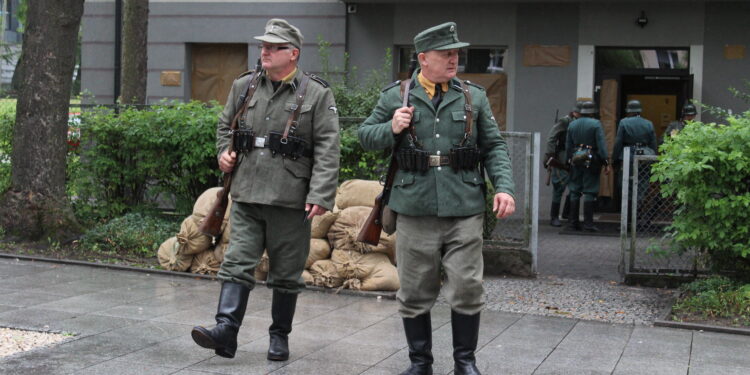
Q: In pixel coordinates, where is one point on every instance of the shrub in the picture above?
(716, 297)
(7, 121)
(706, 168)
(132, 234)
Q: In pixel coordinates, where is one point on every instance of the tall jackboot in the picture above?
(566, 208)
(223, 337)
(573, 221)
(465, 336)
(554, 213)
(419, 337)
(282, 313)
(588, 217)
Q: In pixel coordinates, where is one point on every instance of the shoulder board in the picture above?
(318, 79)
(246, 73)
(474, 84)
(391, 85)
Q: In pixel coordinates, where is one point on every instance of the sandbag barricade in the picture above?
(171, 258)
(343, 234)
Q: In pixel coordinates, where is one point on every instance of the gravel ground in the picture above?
(15, 340)
(607, 301)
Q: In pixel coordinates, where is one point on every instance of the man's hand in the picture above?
(314, 210)
(401, 119)
(503, 205)
(227, 160)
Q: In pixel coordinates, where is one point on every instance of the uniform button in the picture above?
(262, 153)
(402, 180)
(440, 168)
(475, 178)
(437, 120)
(437, 135)
(438, 152)
(268, 118)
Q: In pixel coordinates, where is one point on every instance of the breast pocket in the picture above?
(304, 121)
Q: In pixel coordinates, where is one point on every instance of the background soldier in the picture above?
(688, 114)
(273, 188)
(556, 164)
(438, 193)
(587, 151)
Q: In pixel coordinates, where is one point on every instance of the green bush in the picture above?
(706, 168)
(140, 157)
(132, 234)
(7, 121)
(716, 297)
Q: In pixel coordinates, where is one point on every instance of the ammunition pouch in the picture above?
(413, 160)
(583, 157)
(291, 147)
(464, 158)
(242, 140)
(642, 149)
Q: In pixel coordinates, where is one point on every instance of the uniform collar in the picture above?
(429, 86)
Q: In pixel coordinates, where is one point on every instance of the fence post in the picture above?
(624, 212)
(535, 170)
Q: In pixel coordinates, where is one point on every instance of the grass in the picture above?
(716, 299)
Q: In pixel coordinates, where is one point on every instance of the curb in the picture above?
(117, 267)
(664, 322)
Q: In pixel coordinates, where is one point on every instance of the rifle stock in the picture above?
(211, 224)
(370, 232)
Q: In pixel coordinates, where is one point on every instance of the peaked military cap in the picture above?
(280, 31)
(437, 38)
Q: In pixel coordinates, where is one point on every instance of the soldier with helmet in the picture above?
(443, 133)
(688, 114)
(556, 163)
(586, 152)
(635, 132)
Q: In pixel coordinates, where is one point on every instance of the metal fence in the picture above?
(646, 246)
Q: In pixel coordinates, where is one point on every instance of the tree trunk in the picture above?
(134, 51)
(36, 205)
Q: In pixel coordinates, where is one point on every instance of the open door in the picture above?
(609, 99)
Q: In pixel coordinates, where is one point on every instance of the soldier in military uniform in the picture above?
(554, 161)
(285, 173)
(438, 193)
(587, 152)
(688, 114)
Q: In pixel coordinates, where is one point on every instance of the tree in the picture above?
(36, 206)
(134, 51)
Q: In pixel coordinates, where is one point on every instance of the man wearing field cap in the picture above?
(446, 135)
(284, 157)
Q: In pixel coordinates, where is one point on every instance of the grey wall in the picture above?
(370, 32)
(174, 25)
(726, 24)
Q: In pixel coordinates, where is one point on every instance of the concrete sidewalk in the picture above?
(136, 323)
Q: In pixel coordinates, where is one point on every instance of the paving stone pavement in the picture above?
(138, 323)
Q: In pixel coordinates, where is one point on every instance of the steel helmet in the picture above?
(588, 107)
(689, 110)
(577, 107)
(633, 106)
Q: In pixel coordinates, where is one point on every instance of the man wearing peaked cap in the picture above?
(444, 136)
(284, 160)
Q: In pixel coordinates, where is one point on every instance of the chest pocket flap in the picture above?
(305, 107)
(459, 116)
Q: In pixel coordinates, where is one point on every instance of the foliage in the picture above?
(140, 157)
(706, 168)
(716, 297)
(355, 101)
(7, 120)
(132, 234)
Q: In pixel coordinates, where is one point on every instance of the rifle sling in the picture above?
(292, 121)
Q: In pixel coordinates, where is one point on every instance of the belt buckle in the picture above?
(434, 161)
(260, 142)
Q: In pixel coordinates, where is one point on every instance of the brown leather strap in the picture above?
(405, 88)
(467, 111)
(294, 116)
(254, 80)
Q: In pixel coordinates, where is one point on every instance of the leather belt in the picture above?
(439, 160)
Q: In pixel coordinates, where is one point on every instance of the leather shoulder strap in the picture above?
(297, 106)
(467, 111)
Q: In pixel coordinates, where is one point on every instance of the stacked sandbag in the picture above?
(322, 223)
(343, 233)
(171, 258)
(205, 263)
(325, 274)
(261, 270)
(357, 193)
(370, 271)
(221, 247)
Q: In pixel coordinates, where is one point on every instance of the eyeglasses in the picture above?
(272, 48)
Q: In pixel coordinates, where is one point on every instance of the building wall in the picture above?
(173, 25)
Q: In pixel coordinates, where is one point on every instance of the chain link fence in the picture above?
(647, 249)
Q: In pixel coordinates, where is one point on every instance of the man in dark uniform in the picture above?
(555, 161)
(587, 152)
(286, 174)
(438, 193)
(688, 114)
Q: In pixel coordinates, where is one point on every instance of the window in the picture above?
(470, 60)
(642, 58)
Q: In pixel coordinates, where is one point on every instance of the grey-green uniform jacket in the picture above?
(557, 135)
(674, 126)
(586, 131)
(632, 131)
(263, 179)
(441, 191)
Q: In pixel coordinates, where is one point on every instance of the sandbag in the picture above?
(226, 232)
(307, 277)
(205, 263)
(191, 239)
(322, 223)
(261, 270)
(219, 251)
(319, 249)
(343, 233)
(354, 265)
(384, 277)
(206, 201)
(324, 274)
(171, 258)
(357, 193)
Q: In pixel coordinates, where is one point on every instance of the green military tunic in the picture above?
(439, 225)
(634, 132)
(673, 129)
(556, 149)
(269, 192)
(585, 131)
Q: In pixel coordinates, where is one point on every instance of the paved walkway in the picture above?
(136, 323)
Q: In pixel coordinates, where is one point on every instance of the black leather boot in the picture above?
(553, 214)
(282, 313)
(573, 221)
(465, 336)
(223, 337)
(588, 217)
(419, 337)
